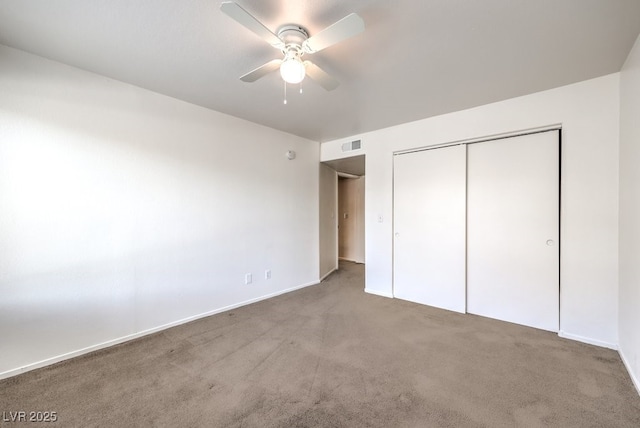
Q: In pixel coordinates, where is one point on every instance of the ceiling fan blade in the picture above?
(244, 18)
(261, 71)
(319, 76)
(347, 27)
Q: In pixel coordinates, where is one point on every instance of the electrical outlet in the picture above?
(267, 274)
(247, 279)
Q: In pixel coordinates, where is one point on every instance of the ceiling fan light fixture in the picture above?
(293, 41)
(292, 70)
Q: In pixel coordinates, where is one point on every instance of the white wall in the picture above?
(122, 210)
(589, 114)
(328, 220)
(630, 213)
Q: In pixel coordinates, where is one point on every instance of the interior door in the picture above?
(513, 230)
(429, 227)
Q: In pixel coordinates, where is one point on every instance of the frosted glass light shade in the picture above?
(292, 70)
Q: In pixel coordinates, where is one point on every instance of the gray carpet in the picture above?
(332, 356)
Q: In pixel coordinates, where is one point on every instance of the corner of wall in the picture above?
(629, 213)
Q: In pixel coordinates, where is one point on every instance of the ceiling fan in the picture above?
(294, 42)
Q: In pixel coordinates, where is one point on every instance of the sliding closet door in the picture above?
(429, 227)
(513, 230)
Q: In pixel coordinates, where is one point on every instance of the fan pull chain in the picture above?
(285, 93)
(300, 87)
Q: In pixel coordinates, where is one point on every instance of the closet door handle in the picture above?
(550, 243)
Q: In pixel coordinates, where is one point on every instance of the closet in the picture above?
(476, 228)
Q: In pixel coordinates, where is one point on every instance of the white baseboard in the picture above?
(634, 379)
(588, 340)
(351, 260)
(378, 293)
(79, 352)
(327, 274)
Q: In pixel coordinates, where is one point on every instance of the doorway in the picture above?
(351, 218)
(342, 212)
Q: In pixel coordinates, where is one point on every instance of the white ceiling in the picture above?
(416, 58)
(353, 165)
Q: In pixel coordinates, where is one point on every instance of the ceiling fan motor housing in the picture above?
(293, 36)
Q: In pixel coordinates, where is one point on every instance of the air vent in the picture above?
(351, 145)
